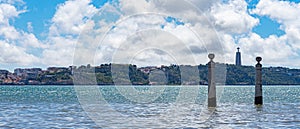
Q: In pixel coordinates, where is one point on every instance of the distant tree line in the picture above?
(127, 74)
(194, 75)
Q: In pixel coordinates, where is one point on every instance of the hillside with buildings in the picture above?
(108, 74)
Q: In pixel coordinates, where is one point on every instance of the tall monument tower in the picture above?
(238, 60)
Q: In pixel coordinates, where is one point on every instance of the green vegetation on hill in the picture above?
(240, 75)
(123, 74)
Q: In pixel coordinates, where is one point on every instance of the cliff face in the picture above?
(123, 74)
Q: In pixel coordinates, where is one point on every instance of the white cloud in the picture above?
(60, 53)
(280, 10)
(196, 24)
(21, 2)
(274, 50)
(287, 14)
(28, 40)
(132, 33)
(197, 35)
(15, 44)
(12, 54)
(137, 34)
(190, 11)
(135, 6)
(232, 17)
(9, 32)
(7, 11)
(69, 20)
(29, 27)
(71, 16)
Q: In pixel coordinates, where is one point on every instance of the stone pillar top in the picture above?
(258, 59)
(211, 56)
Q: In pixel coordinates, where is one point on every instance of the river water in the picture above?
(147, 107)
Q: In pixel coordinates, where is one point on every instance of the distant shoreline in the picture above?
(128, 74)
(2, 85)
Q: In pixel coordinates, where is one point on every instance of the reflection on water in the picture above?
(58, 107)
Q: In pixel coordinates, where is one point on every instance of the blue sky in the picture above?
(40, 13)
(54, 28)
(267, 26)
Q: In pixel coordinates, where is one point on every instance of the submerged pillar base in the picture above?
(212, 102)
(258, 100)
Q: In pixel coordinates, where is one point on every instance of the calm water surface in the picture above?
(148, 107)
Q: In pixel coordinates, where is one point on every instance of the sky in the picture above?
(148, 32)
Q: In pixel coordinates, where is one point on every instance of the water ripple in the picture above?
(58, 107)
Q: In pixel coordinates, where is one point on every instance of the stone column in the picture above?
(211, 82)
(258, 83)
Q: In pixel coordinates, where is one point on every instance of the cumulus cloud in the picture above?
(15, 44)
(278, 10)
(29, 26)
(60, 53)
(13, 1)
(139, 31)
(9, 32)
(12, 54)
(195, 34)
(71, 16)
(68, 22)
(130, 7)
(274, 50)
(287, 14)
(232, 17)
(289, 18)
(7, 11)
